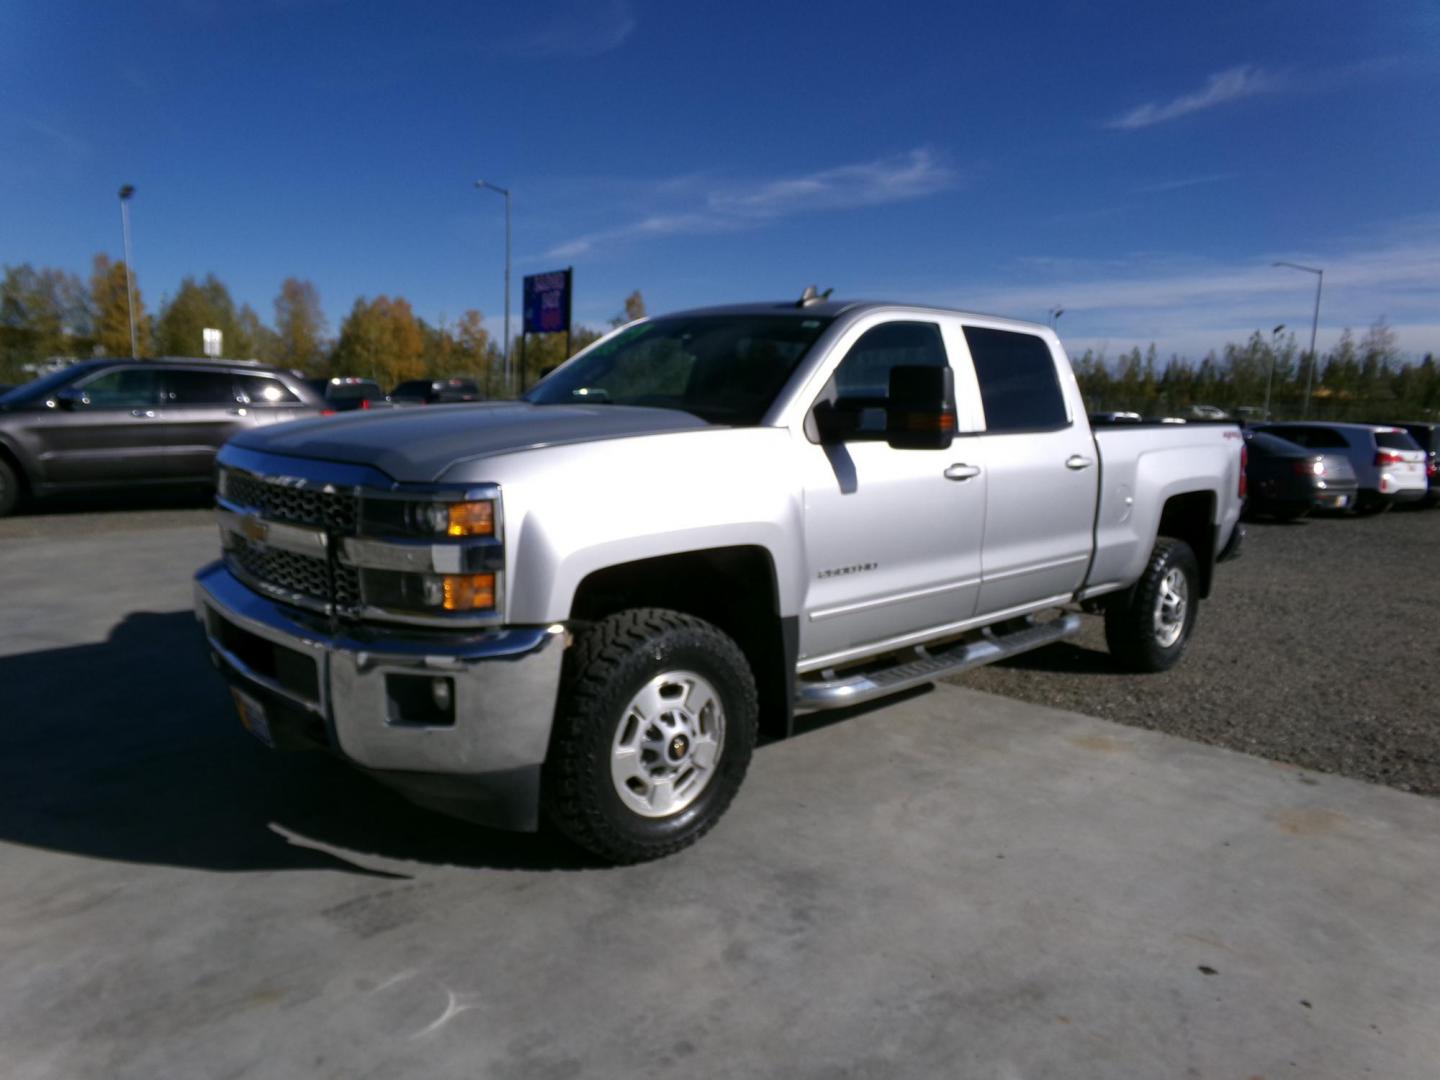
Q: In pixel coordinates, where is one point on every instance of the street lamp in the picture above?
(1270, 375)
(126, 192)
(481, 184)
(1314, 325)
(1055, 313)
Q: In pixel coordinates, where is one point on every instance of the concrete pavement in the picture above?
(953, 885)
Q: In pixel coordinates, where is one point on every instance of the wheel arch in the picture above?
(1190, 516)
(734, 588)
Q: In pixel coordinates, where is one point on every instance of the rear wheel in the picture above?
(9, 488)
(653, 735)
(1148, 626)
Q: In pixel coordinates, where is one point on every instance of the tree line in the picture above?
(47, 313)
(1360, 380)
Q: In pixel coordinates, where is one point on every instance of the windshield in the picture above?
(723, 368)
(41, 388)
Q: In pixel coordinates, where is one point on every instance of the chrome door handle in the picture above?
(143, 414)
(961, 471)
(1078, 461)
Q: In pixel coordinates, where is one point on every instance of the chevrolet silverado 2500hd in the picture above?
(585, 605)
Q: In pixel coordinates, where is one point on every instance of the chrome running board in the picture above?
(921, 664)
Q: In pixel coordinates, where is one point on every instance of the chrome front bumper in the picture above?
(504, 684)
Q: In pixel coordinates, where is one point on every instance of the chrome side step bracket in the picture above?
(920, 665)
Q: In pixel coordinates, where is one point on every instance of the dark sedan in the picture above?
(125, 423)
(436, 391)
(1287, 481)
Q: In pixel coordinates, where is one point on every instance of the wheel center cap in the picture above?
(679, 747)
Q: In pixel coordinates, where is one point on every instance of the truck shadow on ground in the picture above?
(1065, 658)
(130, 750)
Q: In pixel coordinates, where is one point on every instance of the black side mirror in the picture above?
(72, 397)
(921, 411)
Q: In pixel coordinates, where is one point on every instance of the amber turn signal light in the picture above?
(471, 519)
(469, 592)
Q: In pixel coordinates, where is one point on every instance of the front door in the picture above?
(892, 537)
(108, 435)
(201, 409)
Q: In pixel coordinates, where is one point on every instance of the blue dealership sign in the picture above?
(547, 302)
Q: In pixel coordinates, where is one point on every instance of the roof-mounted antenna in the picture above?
(812, 296)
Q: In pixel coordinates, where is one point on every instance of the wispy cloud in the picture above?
(727, 208)
(589, 30)
(1187, 182)
(1190, 306)
(1221, 88)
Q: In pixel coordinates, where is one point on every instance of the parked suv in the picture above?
(436, 391)
(1388, 463)
(114, 423)
(1427, 434)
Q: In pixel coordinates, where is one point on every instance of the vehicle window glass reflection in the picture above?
(127, 388)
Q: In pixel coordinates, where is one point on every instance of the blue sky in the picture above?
(1139, 164)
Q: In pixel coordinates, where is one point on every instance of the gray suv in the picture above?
(104, 424)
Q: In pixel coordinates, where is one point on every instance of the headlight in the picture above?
(453, 519)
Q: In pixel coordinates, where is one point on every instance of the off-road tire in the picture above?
(1130, 616)
(9, 489)
(609, 663)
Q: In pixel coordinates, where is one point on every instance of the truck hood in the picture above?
(419, 444)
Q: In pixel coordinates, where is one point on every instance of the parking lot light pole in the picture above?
(1270, 375)
(126, 193)
(1314, 325)
(1055, 313)
(481, 184)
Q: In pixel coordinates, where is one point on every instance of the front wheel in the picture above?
(652, 737)
(1148, 626)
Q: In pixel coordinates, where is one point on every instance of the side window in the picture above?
(1018, 384)
(128, 388)
(200, 388)
(864, 374)
(263, 390)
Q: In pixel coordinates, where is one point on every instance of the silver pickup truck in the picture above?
(587, 605)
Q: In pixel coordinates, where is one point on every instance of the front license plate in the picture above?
(252, 717)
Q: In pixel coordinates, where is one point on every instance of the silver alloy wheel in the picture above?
(1171, 603)
(668, 744)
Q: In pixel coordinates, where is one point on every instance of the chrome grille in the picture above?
(286, 571)
(336, 511)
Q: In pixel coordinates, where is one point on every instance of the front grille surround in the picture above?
(332, 513)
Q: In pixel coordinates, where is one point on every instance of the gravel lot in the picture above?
(1319, 647)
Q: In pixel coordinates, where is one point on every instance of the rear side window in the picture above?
(263, 390)
(1018, 384)
(200, 388)
(1395, 440)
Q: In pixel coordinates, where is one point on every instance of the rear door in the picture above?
(110, 435)
(1042, 470)
(200, 410)
(892, 537)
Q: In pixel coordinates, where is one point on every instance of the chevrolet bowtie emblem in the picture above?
(254, 529)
